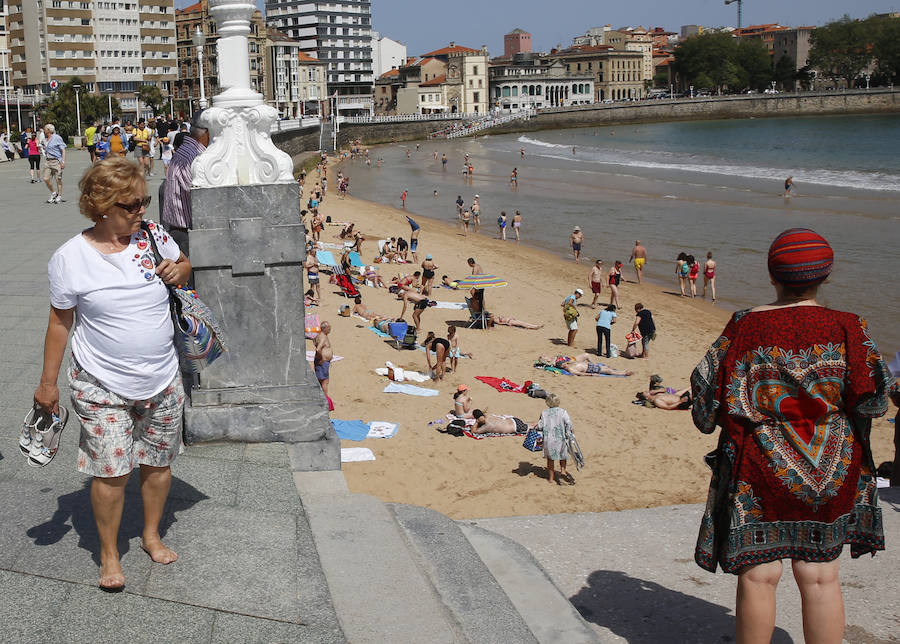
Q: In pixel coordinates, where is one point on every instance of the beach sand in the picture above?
(635, 456)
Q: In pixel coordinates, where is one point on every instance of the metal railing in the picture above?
(396, 118)
(484, 123)
(295, 124)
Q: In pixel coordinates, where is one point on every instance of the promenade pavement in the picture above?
(250, 566)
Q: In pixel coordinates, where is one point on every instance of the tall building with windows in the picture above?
(187, 87)
(339, 34)
(113, 47)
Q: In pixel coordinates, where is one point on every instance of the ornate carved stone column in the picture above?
(247, 246)
(239, 122)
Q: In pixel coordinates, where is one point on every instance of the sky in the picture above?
(429, 24)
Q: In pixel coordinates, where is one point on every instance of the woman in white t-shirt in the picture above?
(124, 376)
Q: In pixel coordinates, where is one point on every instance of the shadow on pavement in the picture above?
(74, 511)
(644, 611)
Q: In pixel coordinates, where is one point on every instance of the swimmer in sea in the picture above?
(788, 184)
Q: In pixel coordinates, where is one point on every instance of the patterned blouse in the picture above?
(794, 390)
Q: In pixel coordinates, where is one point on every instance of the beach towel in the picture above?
(461, 306)
(412, 390)
(355, 259)
(501, 384)
(325, 257)
(356, 454)
(546, 367)
(351, 430)
(311, 323)
(382, 429)
(311, 355)
(478, 437)
(411, 376)
(378, 332)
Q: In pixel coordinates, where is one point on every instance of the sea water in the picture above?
(686, 187)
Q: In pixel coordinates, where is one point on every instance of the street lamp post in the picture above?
(5, 71)
(77, 89)
(109, 105)
(200, 40)
(868, 76)
(137, 108)
(692, 91)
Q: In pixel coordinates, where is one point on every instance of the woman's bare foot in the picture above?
(111, 577)
(158, 552)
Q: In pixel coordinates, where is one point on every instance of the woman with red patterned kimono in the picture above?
(794, 387)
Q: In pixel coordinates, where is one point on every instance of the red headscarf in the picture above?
(800, 257)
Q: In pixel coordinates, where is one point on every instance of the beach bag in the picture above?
(198, 337)
(570, 312)
(311, 326)
(131, 144)
(613, 351)
(534, 441)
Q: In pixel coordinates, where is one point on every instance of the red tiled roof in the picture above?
(389, 73)
(306, 58)
(456, 49)
(437, 80)
(197, 6)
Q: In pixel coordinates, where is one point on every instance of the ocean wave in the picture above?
(543, 144)
(836, 178)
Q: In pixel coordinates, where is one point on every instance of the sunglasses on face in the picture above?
(135, 207)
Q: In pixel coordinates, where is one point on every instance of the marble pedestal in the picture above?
(247, 246)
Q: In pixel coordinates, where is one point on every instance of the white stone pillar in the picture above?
(241, 151)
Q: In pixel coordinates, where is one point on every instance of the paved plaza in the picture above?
(266, 557)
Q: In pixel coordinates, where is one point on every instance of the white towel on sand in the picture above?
(356, 454)
(381, 429)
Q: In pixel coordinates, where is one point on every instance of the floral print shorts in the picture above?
(117, 433)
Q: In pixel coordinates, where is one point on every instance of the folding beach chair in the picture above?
(346, 285)
(479, 318)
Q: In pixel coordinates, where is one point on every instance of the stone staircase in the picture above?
(401, 573)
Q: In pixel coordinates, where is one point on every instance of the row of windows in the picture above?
(430, 98)
(535, 90)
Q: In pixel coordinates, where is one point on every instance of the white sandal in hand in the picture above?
(45, 431)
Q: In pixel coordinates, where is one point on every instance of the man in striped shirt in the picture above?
(176, 199)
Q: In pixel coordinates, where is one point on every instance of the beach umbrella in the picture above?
(481, 281)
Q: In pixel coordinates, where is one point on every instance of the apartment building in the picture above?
(618, 75)
(634, 39)
(187, 87)
(313, 89)
(339, 34)
(387, 54)
(113, 47)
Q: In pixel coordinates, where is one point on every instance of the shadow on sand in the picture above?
(74, 512)
(643, 611)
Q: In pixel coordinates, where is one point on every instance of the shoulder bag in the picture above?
(198, 337)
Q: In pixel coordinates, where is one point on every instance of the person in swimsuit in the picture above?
(475, 266)
(455, 352)
(693, 273)
(404, 194)
(443, 162)
(462, 403)
(312, 271)
(323, 356)
(661, 399)
(476, 212)
(441, 348)
(639, 256)
(613, 277)
(581, 365)
(680, 273)
(577, 239)
(514, 177)
(420, 303)
(709, 275)
(402, 248)
(502, 320)
(788, 184)
(428, 268)
(596, 280)
(494, 424)
(465, 221)
(501, 224)
(413, 237)
(517, 223)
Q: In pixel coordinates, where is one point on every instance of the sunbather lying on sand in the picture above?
(663, 400)
(508, 321)
(494, 424)
(363, 311)
(581, 365)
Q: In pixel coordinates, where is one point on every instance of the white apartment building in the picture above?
(283, 85)
(339, 34)
(387, 54)
(112, 46)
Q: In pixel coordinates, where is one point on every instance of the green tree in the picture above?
(841, 49)
(784, 73)
(884, 32)
(754, 63)
(710, 54)
(151, 96)
(60, 108)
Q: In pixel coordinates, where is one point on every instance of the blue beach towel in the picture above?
(378, 332)
(325, 257)
(351, 430)
(355, 259)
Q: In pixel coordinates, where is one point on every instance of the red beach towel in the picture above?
(501, 384)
